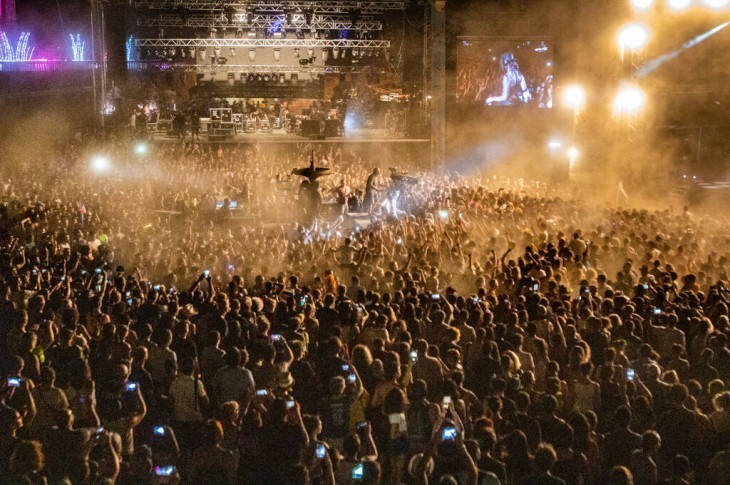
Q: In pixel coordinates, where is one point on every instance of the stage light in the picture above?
(277, 54)
(100, 163)
(555, 144)
(141, 148)
(642, 4)
(633, 36)
(574, 96)
(252, 54)
(717, 4)
(573, 153)
(629, 100)
(678, 4)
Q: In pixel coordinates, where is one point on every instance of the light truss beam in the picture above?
(326, 6)
(305, 43)
(319, 22)
(251, 69)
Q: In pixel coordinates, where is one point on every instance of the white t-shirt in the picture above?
(185, 403)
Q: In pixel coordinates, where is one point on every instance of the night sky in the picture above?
(49, 30)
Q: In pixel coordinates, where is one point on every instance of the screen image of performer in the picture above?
(514, 85)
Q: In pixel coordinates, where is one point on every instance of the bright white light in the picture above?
(141, 149)
(444, 213)
(100, 163)
(642, 4)
(629, 100)
(554, 144)
(633, 36)
(574, 96)
(573, 153)
(678, 4)
(717, 4)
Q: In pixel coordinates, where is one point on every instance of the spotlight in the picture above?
(252, 54)
(717, 4)
(100, 163)
(277, 54)
(325, 55)
(633, 36)
(308, 16)
(574, 96)
(642, 4)
(629, 100)
(678, 4)
(555, 144)
(336, 52)
(141, 149)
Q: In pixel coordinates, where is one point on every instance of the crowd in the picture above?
(498, 333)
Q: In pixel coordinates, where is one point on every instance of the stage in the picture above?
(281, 136)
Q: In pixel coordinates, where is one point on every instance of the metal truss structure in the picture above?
(319, 22)
(244, 43)
(251, 69)
(322, 7)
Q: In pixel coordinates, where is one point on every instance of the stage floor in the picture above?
(363, 135)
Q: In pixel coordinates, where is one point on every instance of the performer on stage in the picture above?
(514, 86)
(370, 189)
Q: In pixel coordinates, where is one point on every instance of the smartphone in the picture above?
(290, 404)
(657, 311)
(414, 356)
(446, 402)
(164, 471)
(351, 378)
(275, 337)
(157, 287)
(357, 472)
(97, 288)
(448, 433)
(34, 272)
(435, 297)
(630, 373)
(14, 381)
(206, 273)
(262, 392)
(100, 430)
(83, 272)
(98, 271)
(63, 278)
(345, 368)
(362, 425)
(321, 452)
(159, 430)
(399, 241)
(646, 287)
(130, 302)
(129, 294)
(230, 267)
(303, 301)
(131, 386)
(536, 286)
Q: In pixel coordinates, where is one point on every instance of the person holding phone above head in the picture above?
(446, 455)
(284, 438)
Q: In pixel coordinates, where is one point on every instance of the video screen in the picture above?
(505, 72)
